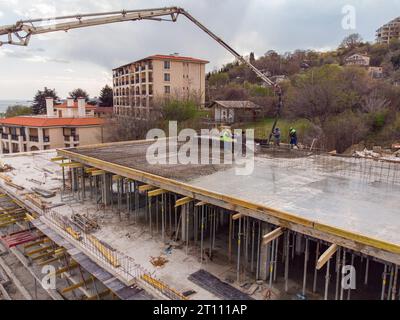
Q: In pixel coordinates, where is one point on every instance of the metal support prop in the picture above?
(239, 247)
(286, 244)
(305, 268)
(315, 269)
(383, 282)
(327, 276)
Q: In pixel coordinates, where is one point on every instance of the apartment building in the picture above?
(388, 32)
(53, 130)
(139, 84)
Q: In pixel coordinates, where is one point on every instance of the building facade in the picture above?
(357, 59)
(50, 131)
(388, 32)
(138, 85)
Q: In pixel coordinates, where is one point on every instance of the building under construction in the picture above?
(111, 226)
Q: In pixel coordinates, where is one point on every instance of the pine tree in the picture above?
(106, 97)
(39, 101)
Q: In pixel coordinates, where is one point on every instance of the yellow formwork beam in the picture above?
(272, 235)
(326, 256)
(30, 245)
(90, 170)
(69, 164)
(30, 253)
(58, 159)
(72, 266)
(98, 172)
(237, 216)
(183, 201)
(77, 286)
(156, 192)
(146, 187)
(73, 233)
(100, 295)
(55, 252)
(201, 203)
(106, 252)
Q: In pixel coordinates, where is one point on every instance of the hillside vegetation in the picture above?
(336, 104)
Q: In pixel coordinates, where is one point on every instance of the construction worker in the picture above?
(293, 137)
(277, 137)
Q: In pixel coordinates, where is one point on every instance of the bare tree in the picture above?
(351, 41)
(374, 102)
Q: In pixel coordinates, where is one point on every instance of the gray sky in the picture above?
(84, 57)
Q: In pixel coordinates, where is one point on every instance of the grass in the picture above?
(263, 128)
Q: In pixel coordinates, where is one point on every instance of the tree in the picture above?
(106, 97)
(18, 110)
(39, 101)
(351, 41)
(79, 93)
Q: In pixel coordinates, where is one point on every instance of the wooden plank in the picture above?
(272, 235)
(183, 201)
(16, 281)
(77, 286)
(326, 256)
(98, 172)
(156, 192)
(237, 216)
(69, 164)
(146, 187)
(58, 159)
(201, 203)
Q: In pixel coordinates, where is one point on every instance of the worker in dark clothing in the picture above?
(277, 137)
(293, 137)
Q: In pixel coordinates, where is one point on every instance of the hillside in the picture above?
(337, 104)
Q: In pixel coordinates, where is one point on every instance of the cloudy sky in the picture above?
(84, 57)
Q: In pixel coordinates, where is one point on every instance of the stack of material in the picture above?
(84, 223)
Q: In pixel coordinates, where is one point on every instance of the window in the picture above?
(167, 77)
(167, 89)
(167, 64)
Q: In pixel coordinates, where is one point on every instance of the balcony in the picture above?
(14, 137)
(46, 139)
(33, 138)
(4, 136)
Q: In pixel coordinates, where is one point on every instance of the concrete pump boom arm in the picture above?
(21, 32)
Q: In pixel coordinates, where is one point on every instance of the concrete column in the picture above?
(81, 107)
(21, 144)
(106, 194)
(40, 134)
(50, 106)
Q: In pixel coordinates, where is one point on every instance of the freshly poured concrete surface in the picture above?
(325, 192)
(368, 208)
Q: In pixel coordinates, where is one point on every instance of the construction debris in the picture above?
(44, 193)
(5, 167)
(84, 223)
(158, 261)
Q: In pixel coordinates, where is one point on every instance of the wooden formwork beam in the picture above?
(98, 172)
(201, 203)
(100, 295)
(58, 159)
(52, 252)
(156, 192)
(237, 216)
(70, 267)
(77, 286)
(30, 245)
(30, 253)
(326, 256)
(183, 201)
(146, 187)
(272, 235)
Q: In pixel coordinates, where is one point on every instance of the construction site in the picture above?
(100, 222)
(114, 227)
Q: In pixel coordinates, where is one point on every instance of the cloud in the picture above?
(1, 14)
(252, 25)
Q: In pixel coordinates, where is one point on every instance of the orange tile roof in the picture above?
(177, 58)
(64, 105)
(51, 122)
